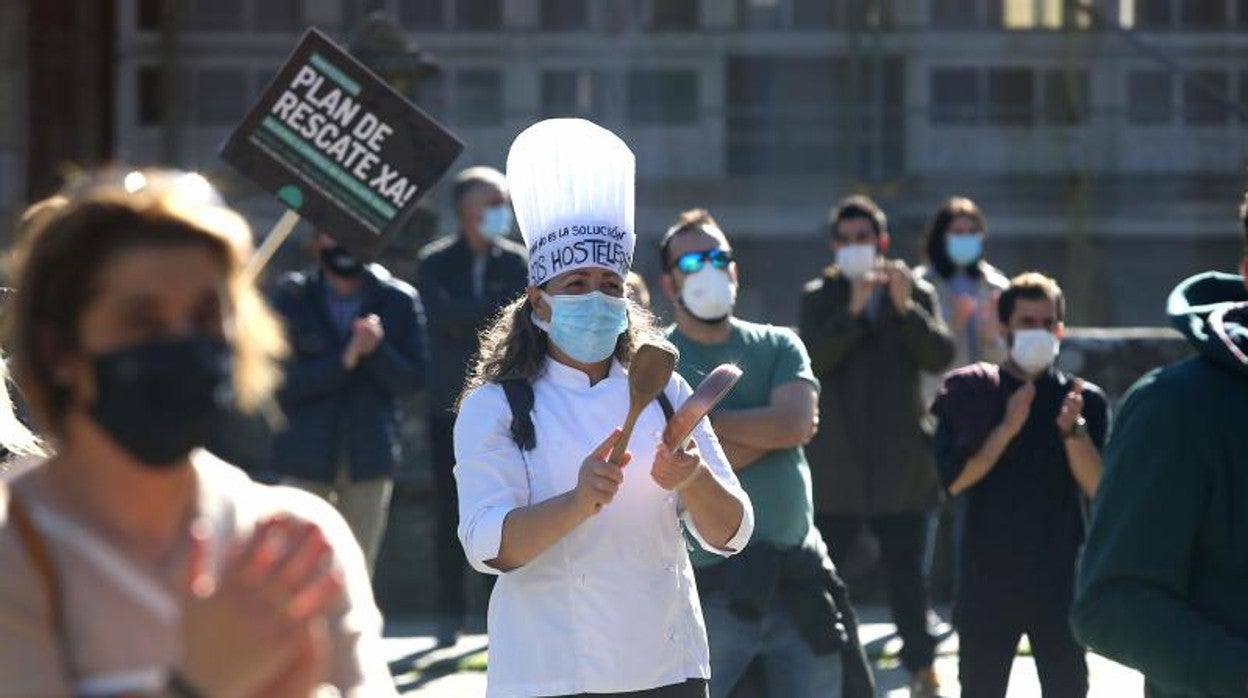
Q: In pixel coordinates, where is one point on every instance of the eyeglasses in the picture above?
(691, 262)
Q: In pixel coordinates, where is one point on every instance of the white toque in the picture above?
(571, 185)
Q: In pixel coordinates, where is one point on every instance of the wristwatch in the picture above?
(1079, 429)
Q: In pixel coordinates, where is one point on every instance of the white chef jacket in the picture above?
(612, 606)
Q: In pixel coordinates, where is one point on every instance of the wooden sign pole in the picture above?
(281, 230)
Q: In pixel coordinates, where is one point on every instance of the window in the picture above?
(479, 97)
(1065, 97)
(955, 95)
(216, 15)
(220, 96)
(150, 111)
(564, 15)
(261, 79)
(1149, 14)
(1149, 98)
(760, 14)
(422, 14)
(662, 97)
(479, 15)
(1010, 96)
(150, 13)
(816, 13)
(955, 14)
(1203, 14)
(571, 93)
(674, 15)
(1206, 98)
(278, 15)
(1042, 14)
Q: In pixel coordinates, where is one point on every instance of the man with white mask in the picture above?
(464, 280)
(872, 329)
(1021, 442)
(596, 593)
(771, 602)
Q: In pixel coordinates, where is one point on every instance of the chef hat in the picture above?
(571, 185)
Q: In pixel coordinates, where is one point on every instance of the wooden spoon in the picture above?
(648, 374)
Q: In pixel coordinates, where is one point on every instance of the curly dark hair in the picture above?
(934, 244)
(513, 347)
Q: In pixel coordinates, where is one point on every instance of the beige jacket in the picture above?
(122, 618)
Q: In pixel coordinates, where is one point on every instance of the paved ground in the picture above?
(458, 672)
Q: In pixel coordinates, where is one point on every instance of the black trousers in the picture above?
(693, 688)
(987, 643)
(905, 541)
(452, 565)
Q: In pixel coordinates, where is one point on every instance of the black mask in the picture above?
(161, 400)
(341, 262)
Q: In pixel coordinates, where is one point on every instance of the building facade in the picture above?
(1103, 138)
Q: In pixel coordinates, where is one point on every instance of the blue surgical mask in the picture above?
(497, 222)
(587, 326)
(964, 250)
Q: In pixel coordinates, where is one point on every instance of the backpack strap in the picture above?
(519, 394)
(666, 406)
(41, 555)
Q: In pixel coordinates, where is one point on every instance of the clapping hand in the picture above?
(1072, 409)
(258, 627)
(674, 470)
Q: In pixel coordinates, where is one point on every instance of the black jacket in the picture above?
(333, 411)
(872, 455)
(455, 314)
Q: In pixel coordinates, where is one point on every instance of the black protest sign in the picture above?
(340, 147)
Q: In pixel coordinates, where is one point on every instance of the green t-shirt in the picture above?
(779, 482)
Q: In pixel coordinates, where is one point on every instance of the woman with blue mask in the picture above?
(968, 286)
(596, 593)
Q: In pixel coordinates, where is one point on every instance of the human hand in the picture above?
(900, 283)
(250, 626)
(861, 292)
(367, 333)
(307, 667)
(964, 307)
(1072, 409)
(1018, 408)
(598, 480)
(674, 470)
(989, 323)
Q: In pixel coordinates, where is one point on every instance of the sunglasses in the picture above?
(691, 262)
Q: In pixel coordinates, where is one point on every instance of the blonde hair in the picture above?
(70, 242)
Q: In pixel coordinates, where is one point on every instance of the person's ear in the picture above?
(1059, 331)
(732, 273)
(883, 243)
(540, 307)
(667, 282)
(1243, 270)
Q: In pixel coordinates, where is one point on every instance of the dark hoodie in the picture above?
(1164, 578)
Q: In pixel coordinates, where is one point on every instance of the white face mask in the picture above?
(855, 261)
(1034, 350)
(709, 294)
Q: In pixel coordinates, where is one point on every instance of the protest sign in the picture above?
(339, 147)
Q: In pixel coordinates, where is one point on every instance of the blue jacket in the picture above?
(332, 411)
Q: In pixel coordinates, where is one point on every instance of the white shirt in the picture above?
(611, 607)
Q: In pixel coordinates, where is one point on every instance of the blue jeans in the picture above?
(792, 670)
